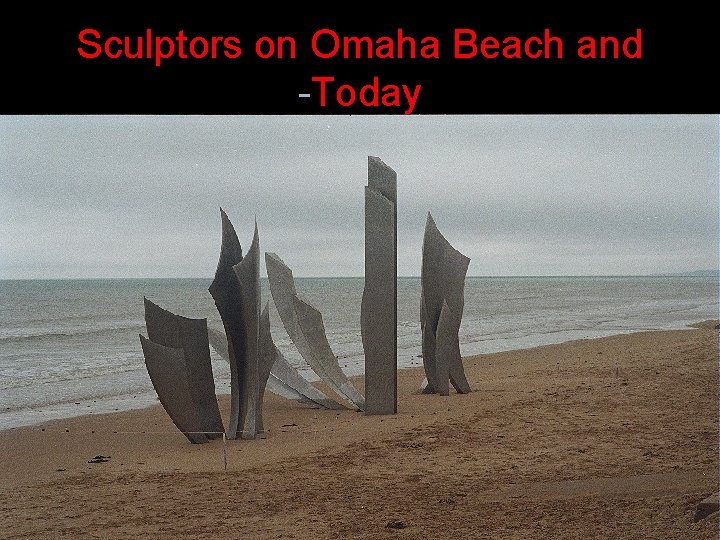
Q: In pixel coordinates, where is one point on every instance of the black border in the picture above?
(44, 74)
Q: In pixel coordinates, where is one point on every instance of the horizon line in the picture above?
(702, 273)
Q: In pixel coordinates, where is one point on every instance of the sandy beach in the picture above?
(607, 438)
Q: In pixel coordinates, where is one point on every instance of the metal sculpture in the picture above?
(442, 302)
(225, 291)
(284, 379)
(305, 327)
(169, 376)
(247, 352)
(378, 318)
(190, 335)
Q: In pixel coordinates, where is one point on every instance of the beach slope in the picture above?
(607, 438)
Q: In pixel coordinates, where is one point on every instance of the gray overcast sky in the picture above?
(138, 196)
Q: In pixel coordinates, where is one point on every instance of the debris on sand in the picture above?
(706, 507)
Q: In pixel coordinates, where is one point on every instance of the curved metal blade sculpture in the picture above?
(177, 353)
(177, 356)
(266, 359)
(304, 325)
(236, 291)
(169, 375)
(225, 290)
(442, 302)
(190, 335)
(284, 379)
(247, 351)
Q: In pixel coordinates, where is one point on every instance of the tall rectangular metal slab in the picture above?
(379, 303)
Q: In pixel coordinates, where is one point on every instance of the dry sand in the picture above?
(607, 438)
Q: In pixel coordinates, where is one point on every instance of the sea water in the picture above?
(71, 347)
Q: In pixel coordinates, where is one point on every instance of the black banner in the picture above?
(372, 62)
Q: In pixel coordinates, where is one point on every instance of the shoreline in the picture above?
(608, 437)
(147, 398)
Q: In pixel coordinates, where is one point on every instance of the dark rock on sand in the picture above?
(706, 507)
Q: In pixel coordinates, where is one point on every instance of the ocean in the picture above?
(71, 347)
